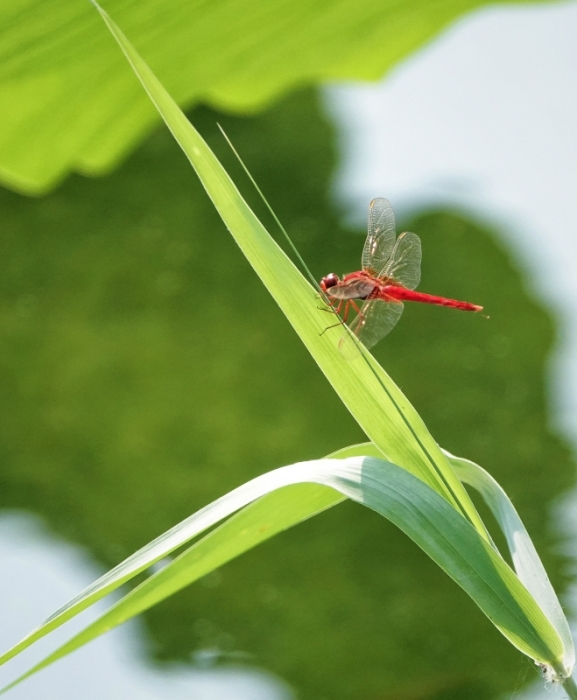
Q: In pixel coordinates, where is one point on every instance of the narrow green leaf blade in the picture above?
(310, 499)
(526, 561)
(375, 401)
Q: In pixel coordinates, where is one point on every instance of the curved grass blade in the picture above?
(310, 499)
(278, 222)
(371, 396)
(427, 518)
(306, 500)
(526, 561)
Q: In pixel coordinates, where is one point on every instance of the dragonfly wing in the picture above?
(376, 319)
(404, 267)
(381, 238)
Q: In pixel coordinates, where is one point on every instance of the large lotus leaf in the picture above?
(68, 101)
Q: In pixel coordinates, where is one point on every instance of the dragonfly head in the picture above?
(329, 281)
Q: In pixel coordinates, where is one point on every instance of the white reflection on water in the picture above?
(485, 119)
(38, 573)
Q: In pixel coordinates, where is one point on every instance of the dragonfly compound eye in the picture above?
(329, 281)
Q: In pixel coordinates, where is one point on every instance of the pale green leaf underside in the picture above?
(277, 510)
(526, 561)
(257, 522)
(427, 518)
(67, 101)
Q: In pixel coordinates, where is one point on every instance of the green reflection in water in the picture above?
(145, 371)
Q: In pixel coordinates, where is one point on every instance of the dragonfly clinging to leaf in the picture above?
(391, 271)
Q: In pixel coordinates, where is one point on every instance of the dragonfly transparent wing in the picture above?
(376, 319)
(404, 267)
(381, 237)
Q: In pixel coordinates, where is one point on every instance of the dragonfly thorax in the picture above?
(356, 285)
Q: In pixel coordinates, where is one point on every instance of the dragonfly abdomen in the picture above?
(402, 294)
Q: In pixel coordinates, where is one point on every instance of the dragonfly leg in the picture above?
(331, 304)
(350, 302)
(337, 311)
(355, 307)
(360, 318)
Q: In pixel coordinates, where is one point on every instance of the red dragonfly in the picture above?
(391, 271)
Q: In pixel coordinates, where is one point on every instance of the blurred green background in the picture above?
(145, 372)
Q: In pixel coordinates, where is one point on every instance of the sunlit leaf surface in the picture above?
(69, 102)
